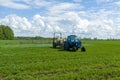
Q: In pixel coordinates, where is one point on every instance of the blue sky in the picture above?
(88, 18)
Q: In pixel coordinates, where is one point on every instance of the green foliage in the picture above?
(38, 62)
(1, 33)
(6, 33)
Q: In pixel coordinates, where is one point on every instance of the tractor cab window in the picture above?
(72, 37)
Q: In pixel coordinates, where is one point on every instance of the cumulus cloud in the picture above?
(18, 24)
(67, 23)
(38, 20)
(35, 27)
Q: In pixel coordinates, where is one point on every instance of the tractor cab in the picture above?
(72, 42)
(72, 37)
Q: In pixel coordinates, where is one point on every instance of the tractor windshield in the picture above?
(72, 37)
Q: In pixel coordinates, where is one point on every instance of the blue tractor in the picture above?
(72, 43)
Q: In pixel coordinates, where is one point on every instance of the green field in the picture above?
(27, 61)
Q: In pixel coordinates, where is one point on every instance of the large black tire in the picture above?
(74, 49)
(66, 46)
(54, 45)
(83, 49)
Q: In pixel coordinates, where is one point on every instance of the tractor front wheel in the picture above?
(83, 49)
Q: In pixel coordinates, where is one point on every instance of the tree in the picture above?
(1, 33)
(6, 33)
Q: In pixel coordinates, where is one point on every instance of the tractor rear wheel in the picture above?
(54, 45)
(66, 46)
(74, 48)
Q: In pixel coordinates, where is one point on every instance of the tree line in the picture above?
(6, 33)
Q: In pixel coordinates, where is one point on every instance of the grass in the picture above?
(41, 62)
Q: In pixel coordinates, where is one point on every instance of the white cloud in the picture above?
(117, 2)
(102, 1)
(77, 0)
(100, 27)
(38, 3)
(25, 4)
(63, 7)
(13, 4)
(41, 3)
(38, 20)
(35, 27)
(18, 24)
(102, 24)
